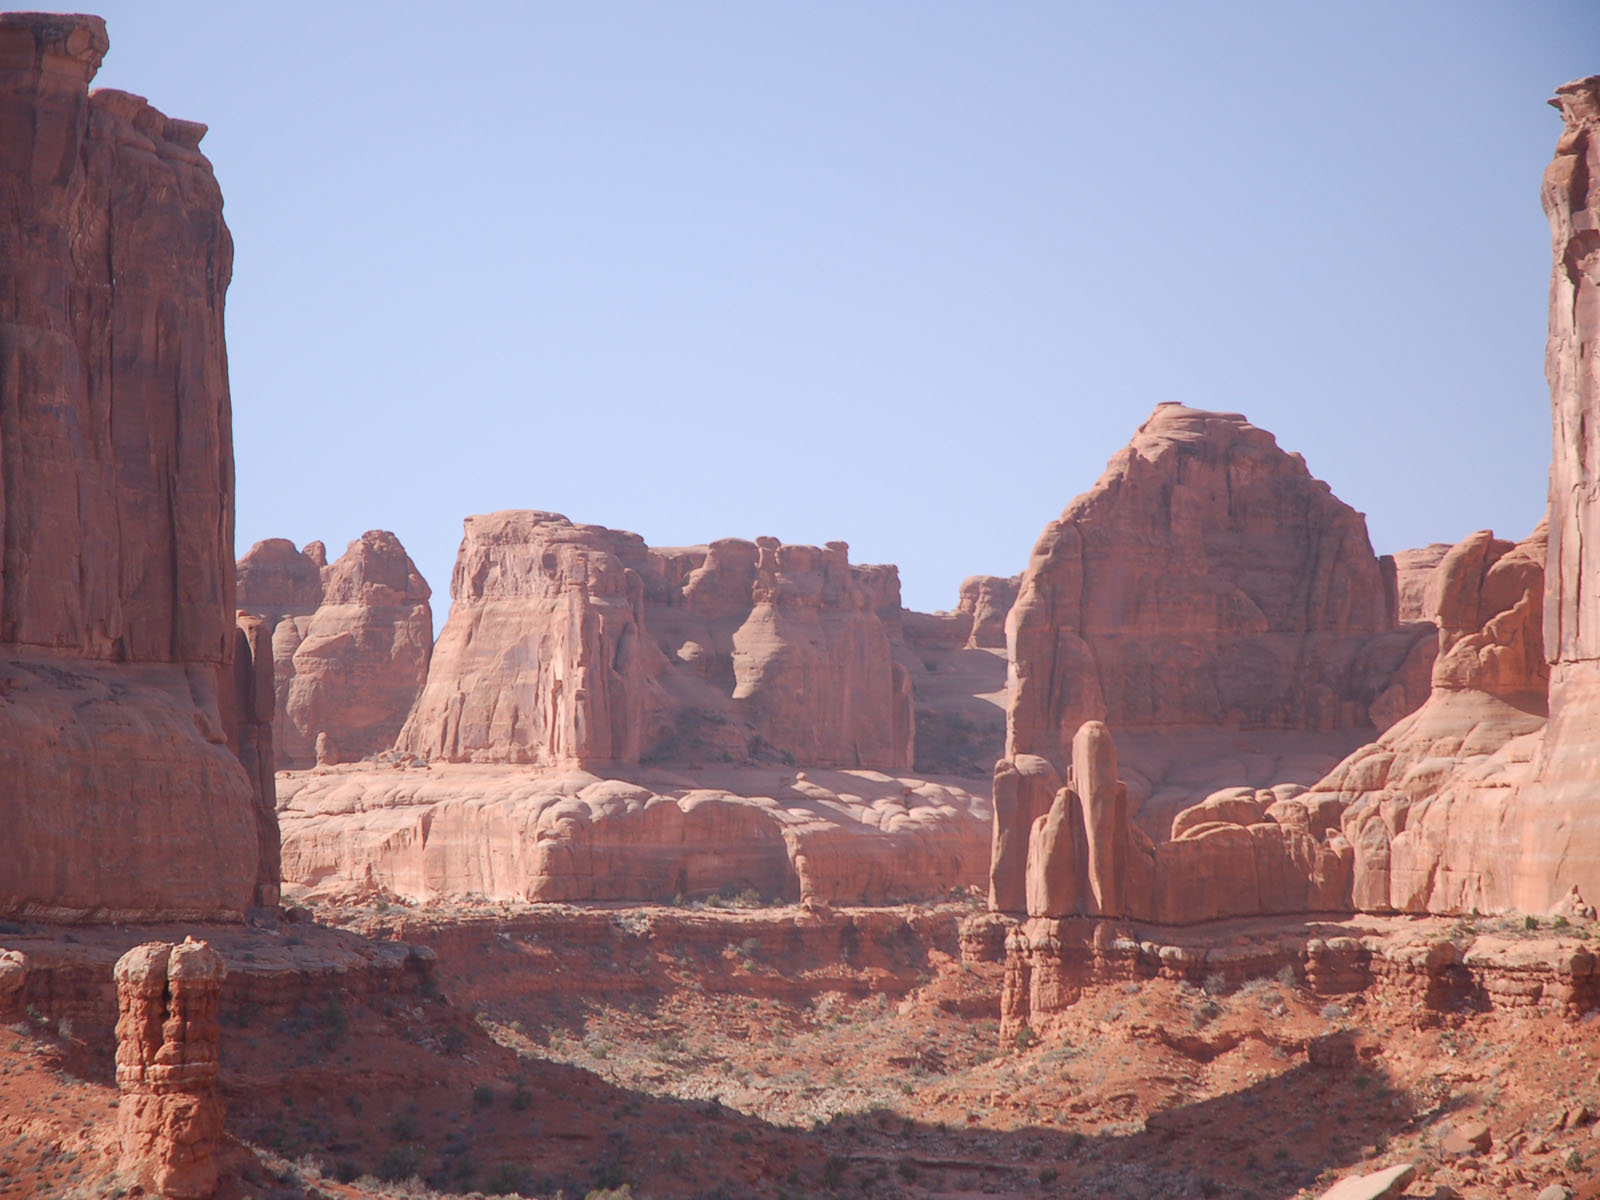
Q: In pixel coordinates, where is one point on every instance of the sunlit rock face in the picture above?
(351, 642)
(121, 796)
(1219, 609)
(578, 645)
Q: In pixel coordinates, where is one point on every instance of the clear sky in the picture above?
(904, 274)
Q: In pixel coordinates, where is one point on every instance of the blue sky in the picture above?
(904, 274)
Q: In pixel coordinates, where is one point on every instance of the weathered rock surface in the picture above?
(1427, 806)
(170, 1117)
(578, 645)
(987, 599)
(121, 797)
(1413, 571)
(510, 832)
(1559, 821)
(246, 703)
(351, 642)
(1219, 609)
(1240, 852)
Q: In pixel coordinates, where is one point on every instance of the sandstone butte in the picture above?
(121, 670)
(1482, 799)
(350, 643)
(606, 720)
(1219, 609)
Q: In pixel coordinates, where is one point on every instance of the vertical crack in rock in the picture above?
(170, 1116)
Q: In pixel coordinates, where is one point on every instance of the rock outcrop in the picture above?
(170, 1116)
(1560, 823)
(573, 645)
(1413, 572)
(1219, 609)
(121, 796)
(503, 832)
(351, 642)
(987, 600)
(1241, 852)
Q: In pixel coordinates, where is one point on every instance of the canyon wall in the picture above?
(351, 642)
(122, 797)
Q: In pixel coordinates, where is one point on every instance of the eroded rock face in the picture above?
(1206, 580)
(1561, 823)
(1241, 852)
(819, 836)
(987, 599)
(574, 644)
(121, 796)
(247, 712)
(170, 1116)
(1413, 571)
(1219, 609)
(351, 642)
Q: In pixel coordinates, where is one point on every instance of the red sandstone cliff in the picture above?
(350, 642)
(121, 795)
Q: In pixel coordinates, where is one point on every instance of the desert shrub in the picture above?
(1026, 1038)
(1216, 984)
(833, 1171)
(483, 1095)
(399, 1162)
(508, 1179)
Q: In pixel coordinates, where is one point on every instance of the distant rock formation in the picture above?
(987, 599)
(351, 642)
(170, 1116)
(573, 645)
(1413, 570)
(505, 832)
(121, 798)
(1219, 609)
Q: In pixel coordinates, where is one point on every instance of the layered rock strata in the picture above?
(170, 1116)
(351, 642)
(513, 833)
(578, 645)
(121, 796)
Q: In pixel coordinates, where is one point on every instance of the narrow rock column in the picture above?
(1054, 883)
(170, 1117)
(1105, 815)
(1023, 791)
